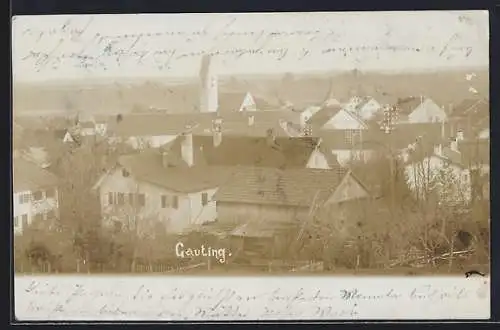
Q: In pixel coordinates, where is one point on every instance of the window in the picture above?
(16, 221)
(24, 198)
(37, 195)
(125, 173)
(348, 136)
(131, 220)
(204, 199)
(141, 199)
(50, 193)
(121, 199)
(111, 199)
(169, 201)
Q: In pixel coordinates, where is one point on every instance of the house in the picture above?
(151, 190)
(364, 144)
(265, 205)
(174, 184)
(345, 119)
(420, 110)
(35, 195)
(472, 116)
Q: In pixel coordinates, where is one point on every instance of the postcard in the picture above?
(251, 166)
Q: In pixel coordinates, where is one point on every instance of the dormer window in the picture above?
(125, 173)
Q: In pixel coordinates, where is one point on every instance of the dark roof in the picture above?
(271, 186)
(250, 151)
(27, 176)
(147, 166)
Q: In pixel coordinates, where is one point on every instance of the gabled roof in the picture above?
(147, 166)
(269, 186)
(27, 176)
(471, 107)
(250, 151)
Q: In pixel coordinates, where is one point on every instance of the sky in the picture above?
(171, 45)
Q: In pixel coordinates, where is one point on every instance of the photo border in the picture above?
(34, 7)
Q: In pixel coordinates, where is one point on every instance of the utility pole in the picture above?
(390, 119)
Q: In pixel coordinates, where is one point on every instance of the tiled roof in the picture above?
(151, 124)
(158, 124)
(269, 186)
(251, 151)
(148, 167)
(27, 176)
(401, 137)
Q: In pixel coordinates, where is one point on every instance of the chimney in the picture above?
(187, 147)
(421, 99)
(438, 149)
(217, 131)
(251, 120)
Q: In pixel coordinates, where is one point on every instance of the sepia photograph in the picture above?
(350, 144)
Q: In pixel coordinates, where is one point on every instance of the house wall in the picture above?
(188, 212)
(246, 212)
(342, 120)
(33, 208)
(420, 177)
(317, 160)
(427, 112)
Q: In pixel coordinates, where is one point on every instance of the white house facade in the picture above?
(138, 204)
